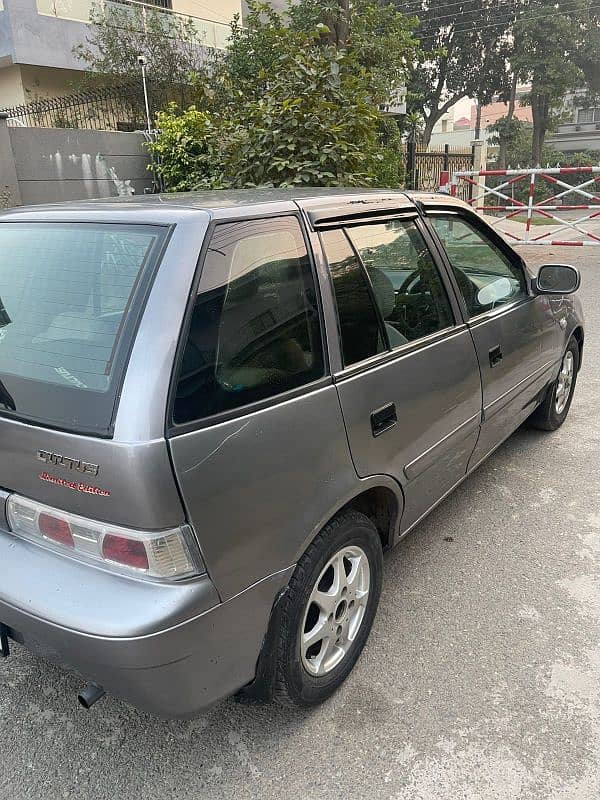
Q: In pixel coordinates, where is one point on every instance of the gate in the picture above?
(502, 207)
(425, 166)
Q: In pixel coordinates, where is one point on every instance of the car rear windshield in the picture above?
(70, 298)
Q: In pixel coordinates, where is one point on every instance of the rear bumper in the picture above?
(170, 650)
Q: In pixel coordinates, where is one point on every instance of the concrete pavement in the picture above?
(481, 679)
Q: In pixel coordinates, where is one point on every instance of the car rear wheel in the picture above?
(551, 414)
(328, 611)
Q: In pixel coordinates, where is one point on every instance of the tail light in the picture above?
(170, 554)
(55, 529)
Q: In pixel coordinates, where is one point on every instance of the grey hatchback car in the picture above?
(218, 410)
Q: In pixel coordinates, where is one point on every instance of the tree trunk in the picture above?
(540, 108)
(504, 137)
(478, 121)
(428, 129)
(436, 113)
(339, 25)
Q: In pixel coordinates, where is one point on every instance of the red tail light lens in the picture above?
(129, 552)
(55, 529)
(164, 555)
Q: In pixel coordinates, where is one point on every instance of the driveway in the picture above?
(481, 678)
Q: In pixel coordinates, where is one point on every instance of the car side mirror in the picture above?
(557, 279)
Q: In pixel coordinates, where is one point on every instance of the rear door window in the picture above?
(70, 297)
(360, 332)
(255, 328)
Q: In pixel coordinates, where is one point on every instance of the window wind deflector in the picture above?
(359, 212)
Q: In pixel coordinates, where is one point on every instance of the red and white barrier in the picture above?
(507, 207)
(444, 182)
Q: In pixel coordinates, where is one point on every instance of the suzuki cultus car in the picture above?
(217, 411)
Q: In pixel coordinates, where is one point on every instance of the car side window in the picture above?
(486, 276)
(255, 329)
(406, 282)
(359, 326)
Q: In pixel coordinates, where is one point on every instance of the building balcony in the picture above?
(38, 37)
(43, 33)
(212, 29)
(574, 137)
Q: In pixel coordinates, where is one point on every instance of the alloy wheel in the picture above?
(335, 610)
(565, 382)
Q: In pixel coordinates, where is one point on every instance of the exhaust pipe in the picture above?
(90, 695)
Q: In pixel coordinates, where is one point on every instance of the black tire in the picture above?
(293, 684)
(546, 417)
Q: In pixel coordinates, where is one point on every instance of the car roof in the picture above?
(173, 207)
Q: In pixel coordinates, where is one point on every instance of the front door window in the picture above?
(486, 276)
(406, 283)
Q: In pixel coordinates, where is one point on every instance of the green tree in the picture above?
(504, 129)
(463, 51)
(412, 125)
(513, 138)
(289, 104)
(187, 153)
(517, 136)
(556, 47)
(376, 33)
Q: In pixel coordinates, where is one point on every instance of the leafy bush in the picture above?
(185, 153)
(389, 170)
(314, 126)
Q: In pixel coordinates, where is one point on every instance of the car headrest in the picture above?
(384, 291)
(243, 288)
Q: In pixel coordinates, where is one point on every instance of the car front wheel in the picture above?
(552, 412)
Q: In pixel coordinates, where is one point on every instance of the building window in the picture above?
(588, 114)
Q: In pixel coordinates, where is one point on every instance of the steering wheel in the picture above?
(406, 287)
(418, 314)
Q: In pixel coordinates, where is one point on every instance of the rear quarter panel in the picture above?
(257, 488)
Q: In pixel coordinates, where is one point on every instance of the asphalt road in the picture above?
(481, 678)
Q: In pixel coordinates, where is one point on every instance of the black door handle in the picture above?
(495, 355)
(383, 419)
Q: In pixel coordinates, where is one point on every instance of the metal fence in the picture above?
(108, 108)
(424, 166)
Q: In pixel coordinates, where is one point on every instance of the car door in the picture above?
(515, 333)
(409, 383)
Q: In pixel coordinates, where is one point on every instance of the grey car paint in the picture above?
(530, 340)
(138, 475)
(134, 464)
(428, 449)
(105, 628)
(256, 488)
